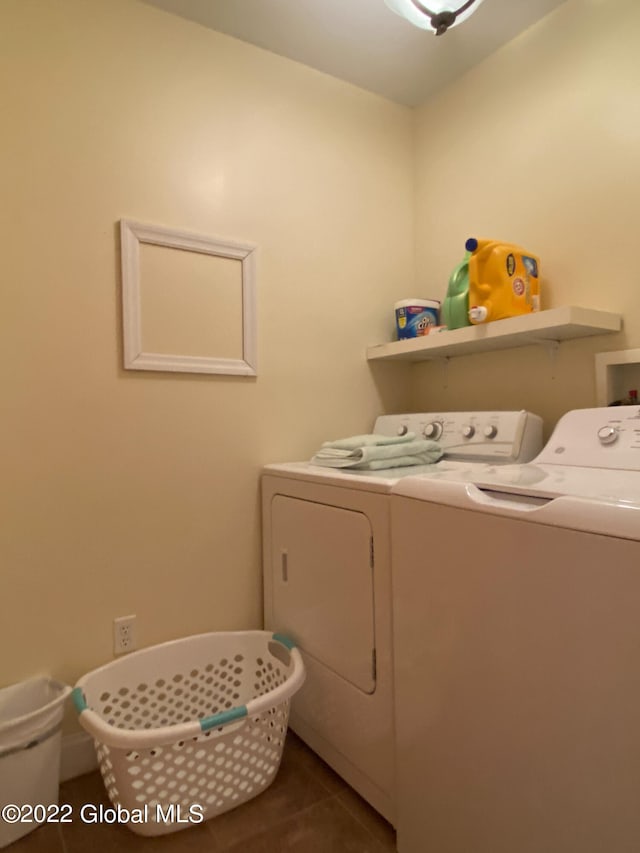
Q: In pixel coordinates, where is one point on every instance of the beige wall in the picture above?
(130, 492)
(538, 146)
(126, 492)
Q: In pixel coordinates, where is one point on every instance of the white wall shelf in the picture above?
(543, 327)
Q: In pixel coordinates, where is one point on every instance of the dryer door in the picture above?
(322, 577)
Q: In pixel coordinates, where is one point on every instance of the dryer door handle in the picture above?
(284, 560)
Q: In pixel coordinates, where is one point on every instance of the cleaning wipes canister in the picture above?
(415, 317)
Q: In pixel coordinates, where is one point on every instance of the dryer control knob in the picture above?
(607, 434)
(433, 430)
(468, 431)
(491, 431)
(403, 430)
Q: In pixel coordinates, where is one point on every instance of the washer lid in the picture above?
(553, 481)
(610, 512)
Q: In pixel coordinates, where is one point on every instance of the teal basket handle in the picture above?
(286, 641)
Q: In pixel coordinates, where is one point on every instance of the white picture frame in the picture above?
(132, 235)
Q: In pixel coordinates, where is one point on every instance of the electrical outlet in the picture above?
(124, 634)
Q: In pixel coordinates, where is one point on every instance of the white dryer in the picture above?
(517, 649)
(327, 583)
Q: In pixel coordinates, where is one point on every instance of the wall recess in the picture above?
(189, 310)
(617, 373)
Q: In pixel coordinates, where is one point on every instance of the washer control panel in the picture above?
(606, 437)
(493, 436)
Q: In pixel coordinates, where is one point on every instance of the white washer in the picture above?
(517, 649)
(327, 583)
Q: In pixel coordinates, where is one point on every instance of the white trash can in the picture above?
(30, 719)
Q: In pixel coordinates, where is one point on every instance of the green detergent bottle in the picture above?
(455, 308)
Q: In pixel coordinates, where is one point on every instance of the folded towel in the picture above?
(357, 441)
(396, 462)
(374, 457)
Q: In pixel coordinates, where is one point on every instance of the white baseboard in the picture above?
(78, 756)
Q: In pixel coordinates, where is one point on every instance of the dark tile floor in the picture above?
(307, 809)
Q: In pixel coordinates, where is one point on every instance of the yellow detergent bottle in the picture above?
(504, 281)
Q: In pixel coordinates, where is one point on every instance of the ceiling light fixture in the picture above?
(438, 18)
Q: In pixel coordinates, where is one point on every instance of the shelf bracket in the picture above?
(552, 348)
(444, 361)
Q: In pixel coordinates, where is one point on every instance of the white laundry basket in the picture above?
(30, 720)
(191, 728)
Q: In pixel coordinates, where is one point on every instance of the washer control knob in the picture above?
(490, 431)
(433, 430)
(607, 434)
(403, 429)
(468, 431)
